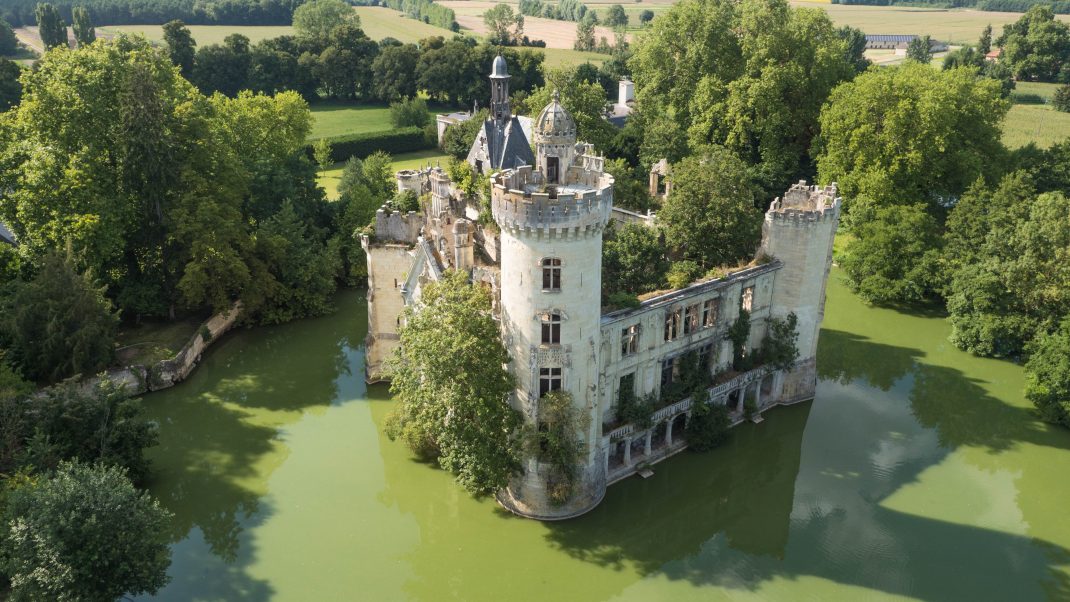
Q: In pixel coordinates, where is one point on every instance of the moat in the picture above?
(918, 472)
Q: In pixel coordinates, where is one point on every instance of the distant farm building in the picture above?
(994, 55)
(899, 42)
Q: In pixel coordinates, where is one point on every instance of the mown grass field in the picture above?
(1040, 124)
(328, 179)
(339, 119)
(203, 34)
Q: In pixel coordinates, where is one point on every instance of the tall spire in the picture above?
(500, 110)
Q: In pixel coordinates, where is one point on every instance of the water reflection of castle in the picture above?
(542, 259)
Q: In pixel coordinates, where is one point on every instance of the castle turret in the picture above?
(798, 230)
(499, 92)
(551, 253)
(555, 141)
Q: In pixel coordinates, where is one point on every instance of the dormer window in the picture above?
(551, 274)
(551, 328)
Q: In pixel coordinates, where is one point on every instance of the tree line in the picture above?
(341, 62)
(151, 12)
(427, 11)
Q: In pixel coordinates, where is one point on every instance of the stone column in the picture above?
(605, 460)
(668, 431)
(628, 452)
(646, 449)
(758, 394)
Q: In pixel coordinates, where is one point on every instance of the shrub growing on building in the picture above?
(558, 441)
(780, 347)
(708, 426)
(739, 334)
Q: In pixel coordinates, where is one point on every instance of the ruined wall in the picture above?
(799, 230)
(388, 265)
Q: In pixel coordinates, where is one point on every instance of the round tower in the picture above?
(551, 274)
(798, 230)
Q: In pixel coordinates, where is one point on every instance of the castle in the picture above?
(541, 257)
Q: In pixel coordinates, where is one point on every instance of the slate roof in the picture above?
(502, 147)
(6, 235)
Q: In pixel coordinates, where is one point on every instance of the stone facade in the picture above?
(542, 259)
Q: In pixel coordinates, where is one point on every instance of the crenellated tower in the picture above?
(551, 253)
(798, 230)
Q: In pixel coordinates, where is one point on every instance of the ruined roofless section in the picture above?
(806, 203)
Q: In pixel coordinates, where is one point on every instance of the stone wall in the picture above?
(388, 266)
(138, 379)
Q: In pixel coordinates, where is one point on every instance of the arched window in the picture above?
(551, 274)
(551, 328)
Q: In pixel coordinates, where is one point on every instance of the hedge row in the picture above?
(401, 140)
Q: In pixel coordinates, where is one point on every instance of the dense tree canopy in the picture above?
(316, 19)
(59, 324)
(9, 43)
(710, 216)
(1037, 46)
(1048, 372)
(51, 28)
(633, 260)
(910, 134)
(158, 190)
(180, 45)
(82, 24)
(750, 76)
(10, 88)
(84, 533)
(451, 388)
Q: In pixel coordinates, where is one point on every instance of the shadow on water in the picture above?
(759, 509)
(222, 434)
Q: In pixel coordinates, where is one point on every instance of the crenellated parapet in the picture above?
(521, 201)
(804, 204)
(395, 226)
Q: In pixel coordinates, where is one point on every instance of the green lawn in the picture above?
(1045, 91)
(328, 179)
(1035, 123)
(559, 57)
(338, 119)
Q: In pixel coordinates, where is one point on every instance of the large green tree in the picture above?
(451, 387)
(50, 26)
(919, 50)
(316, 19)
(223, 67)
(84, 534)
(180, 46)
(1048, 371)
(10, 88)
(910, 134)
(82, 24)
(894, 256)
(633, 260)
(505, 26)
(1037, 46)
(59, 324)
(710, 216)
(9, 42)
(394, 72)
(750, 76)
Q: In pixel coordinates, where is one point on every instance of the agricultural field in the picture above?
(328, 179)
(204, 35)
(1039, 124)
(380, 22)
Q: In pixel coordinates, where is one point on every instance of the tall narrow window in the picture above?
(709, 313)
(626, 388)
(629, 340)
(551, 274)
(747, 301)
(672, 325)
(690, 319)
(551, 329)
(668, 372)
(549, 380)
(551, 170)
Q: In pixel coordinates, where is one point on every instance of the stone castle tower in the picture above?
(798, 230)
(552, 217)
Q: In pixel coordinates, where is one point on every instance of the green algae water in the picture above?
(918, 472)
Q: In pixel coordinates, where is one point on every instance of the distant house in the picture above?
(899, 42)
(994, 55)
(6, 236)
